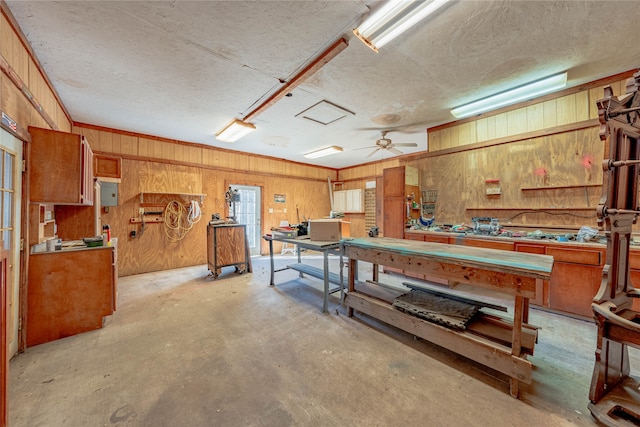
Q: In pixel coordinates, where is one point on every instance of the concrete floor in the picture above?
(186, 350)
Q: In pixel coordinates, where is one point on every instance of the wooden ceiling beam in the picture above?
(299, 78)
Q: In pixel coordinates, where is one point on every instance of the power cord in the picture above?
(179, 220)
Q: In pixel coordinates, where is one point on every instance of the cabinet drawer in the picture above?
(437, 239)
(490, 244)
(576, 256)
(414, 236)
(530, 249)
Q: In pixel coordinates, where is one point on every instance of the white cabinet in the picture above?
(348, 201)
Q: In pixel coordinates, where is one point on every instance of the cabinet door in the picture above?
(60, 168)
(575, 279)
(87, 186)
(393, 184)
(107, 166)
(394, 216)
(354, 201)
(340, 201)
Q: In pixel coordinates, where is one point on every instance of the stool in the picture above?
(288, 248)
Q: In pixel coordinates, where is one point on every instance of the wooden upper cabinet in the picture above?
(394, 181)
(60, 168)
(106, 166)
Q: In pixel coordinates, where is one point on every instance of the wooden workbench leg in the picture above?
(514, 386)
(516, 338)
(353, 265)
(375, 273)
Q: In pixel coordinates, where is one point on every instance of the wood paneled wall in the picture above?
(24, 92)
(26, 98)
(562, 111)
(544, 155)
(156, 165)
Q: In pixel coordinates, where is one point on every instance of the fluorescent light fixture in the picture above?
(234, 131)
(512, 96)
(323, 152)
(394, 18)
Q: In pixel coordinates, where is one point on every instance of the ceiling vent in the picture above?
(324, 113)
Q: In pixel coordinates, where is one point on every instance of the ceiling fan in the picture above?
(385, 143)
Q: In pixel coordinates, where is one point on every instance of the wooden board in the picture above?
(476, 348)
(511, 272)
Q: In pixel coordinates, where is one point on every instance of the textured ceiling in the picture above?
(185, 69)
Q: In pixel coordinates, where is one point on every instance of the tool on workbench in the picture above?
(486, 225)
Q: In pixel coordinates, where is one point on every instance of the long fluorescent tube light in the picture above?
(323, 152)
(512, 96)
(394, 18)
(234, 131)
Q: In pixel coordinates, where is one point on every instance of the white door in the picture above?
(248, 213)
(11, 199)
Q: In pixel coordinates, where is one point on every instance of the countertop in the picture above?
(72, 245)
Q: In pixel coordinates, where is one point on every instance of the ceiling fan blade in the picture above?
(393, 150)
(405, 144)
(374, 152)
(364, 148)
(413, 127)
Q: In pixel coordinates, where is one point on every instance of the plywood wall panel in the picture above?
(152, 250)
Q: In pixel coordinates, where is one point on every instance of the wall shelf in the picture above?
(559, 187)
(164, 193)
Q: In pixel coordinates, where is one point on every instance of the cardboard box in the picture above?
(328, 230)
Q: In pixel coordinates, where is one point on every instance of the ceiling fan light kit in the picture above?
(394, 18)
(323, 152)
(512, 96)
(234, 131)
(385, 143)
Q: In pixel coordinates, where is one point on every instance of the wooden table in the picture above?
(512, 273)
(326, 248)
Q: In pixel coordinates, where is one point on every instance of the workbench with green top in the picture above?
(512, 273)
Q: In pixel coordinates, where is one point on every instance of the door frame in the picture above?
(230, 183)
(4, 357)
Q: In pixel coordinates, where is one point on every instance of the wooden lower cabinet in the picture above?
(575, 279)
(69, 292)
(577, 269)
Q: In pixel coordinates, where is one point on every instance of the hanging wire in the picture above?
(179, 220)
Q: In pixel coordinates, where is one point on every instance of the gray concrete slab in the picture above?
(183, 349)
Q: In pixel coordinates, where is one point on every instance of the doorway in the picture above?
(11, 203)
(248, 213)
